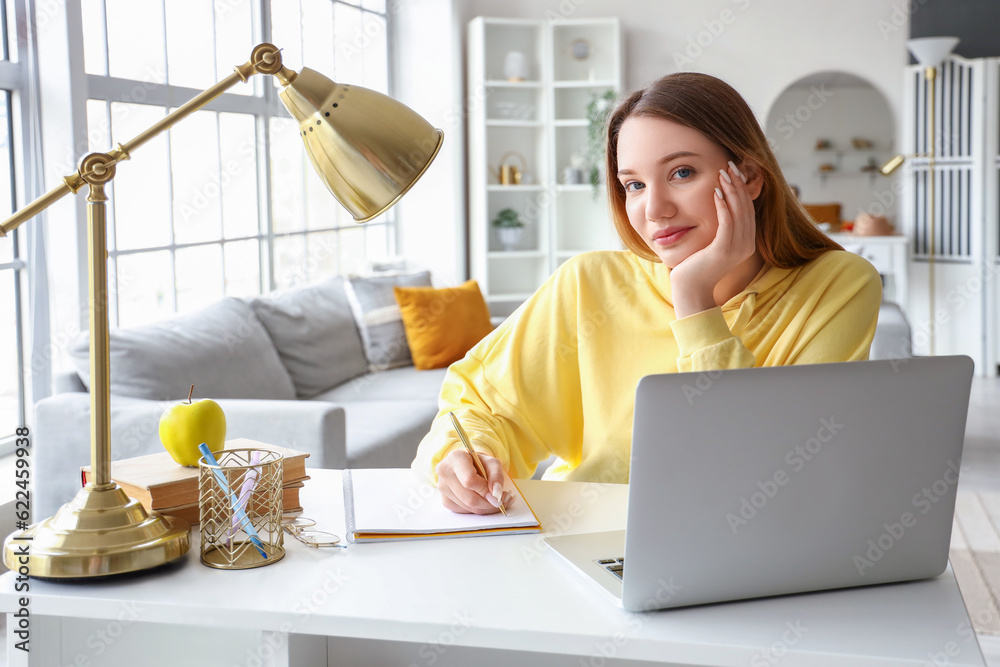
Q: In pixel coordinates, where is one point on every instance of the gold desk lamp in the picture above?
(369, 150)
(929, 52)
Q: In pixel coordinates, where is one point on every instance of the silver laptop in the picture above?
(766, 481)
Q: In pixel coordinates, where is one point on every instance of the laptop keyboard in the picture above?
(615, 566)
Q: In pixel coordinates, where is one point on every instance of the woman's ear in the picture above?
(755, 179)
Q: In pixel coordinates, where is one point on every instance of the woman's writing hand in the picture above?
(464, 490)
(693, 281)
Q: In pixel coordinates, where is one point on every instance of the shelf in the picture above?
(514, 296)
(503, 83)
(575, 187)
(495, 122)
(873, 149)
(572, 122)
(496, 187)
(585, 84)
(841, 174)
(515, 254)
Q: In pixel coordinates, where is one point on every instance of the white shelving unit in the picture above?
(542, 119)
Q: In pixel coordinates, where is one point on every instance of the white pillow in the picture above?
(378, 318)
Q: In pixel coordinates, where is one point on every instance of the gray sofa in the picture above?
(307, 369)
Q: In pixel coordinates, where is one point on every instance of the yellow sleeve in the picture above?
(705, 342)
(517, 392)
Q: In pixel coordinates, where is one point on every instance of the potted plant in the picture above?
(509, 227)
(597, 115)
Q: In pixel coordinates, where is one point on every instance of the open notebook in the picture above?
(394, 504)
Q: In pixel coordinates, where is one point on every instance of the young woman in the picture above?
(723, 269)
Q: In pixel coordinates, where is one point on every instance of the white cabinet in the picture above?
(889, 256)
(529, 112)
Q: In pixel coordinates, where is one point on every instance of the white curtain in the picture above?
(38, 342)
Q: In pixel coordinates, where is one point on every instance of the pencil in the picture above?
(474, 454)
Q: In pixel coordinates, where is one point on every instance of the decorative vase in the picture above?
(509, 236)
(515, 66)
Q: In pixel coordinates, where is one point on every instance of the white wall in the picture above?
(759, 47)
(429, 77)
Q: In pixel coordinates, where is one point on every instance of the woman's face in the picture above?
(669, 172)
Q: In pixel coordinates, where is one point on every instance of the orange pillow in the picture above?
(442, 324)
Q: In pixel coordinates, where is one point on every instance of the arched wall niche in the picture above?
(831, 131)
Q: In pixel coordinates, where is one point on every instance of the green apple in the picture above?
(184, 426)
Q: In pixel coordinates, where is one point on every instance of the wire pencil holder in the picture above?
(248, 504)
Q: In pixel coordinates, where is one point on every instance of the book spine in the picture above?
(349, 505)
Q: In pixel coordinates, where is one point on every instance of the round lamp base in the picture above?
(101, 532)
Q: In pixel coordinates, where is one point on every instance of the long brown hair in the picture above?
(786, 235)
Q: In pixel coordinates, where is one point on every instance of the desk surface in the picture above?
(415, 591)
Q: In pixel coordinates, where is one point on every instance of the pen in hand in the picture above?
(475, 457)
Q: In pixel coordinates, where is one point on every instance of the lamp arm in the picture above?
(265, 58)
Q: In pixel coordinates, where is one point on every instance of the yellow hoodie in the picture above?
(559, 375)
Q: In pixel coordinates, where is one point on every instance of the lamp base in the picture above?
(101, 532)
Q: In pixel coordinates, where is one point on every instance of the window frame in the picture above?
(264, 105)
(13, 76)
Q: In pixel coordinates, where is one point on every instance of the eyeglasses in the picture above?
(301, 529)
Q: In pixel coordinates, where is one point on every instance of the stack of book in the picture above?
(163, 486)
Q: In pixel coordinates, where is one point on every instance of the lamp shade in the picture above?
(368, 148)
(931, 51)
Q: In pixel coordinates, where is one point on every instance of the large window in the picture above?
(226, 202)
(13, 278)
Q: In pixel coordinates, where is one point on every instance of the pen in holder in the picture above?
(240, 506)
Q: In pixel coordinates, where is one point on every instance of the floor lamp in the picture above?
(930, 52)
(368, 149)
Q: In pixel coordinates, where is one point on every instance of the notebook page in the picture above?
(395, 500)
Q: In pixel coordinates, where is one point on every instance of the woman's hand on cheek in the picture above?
(693, 281)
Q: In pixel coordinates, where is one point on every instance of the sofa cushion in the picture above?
(221, 349)
(377, 316)
(442, 324)
(385, 434)
(314, 332)
(397, 384)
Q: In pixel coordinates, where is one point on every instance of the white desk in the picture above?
(442, 602)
